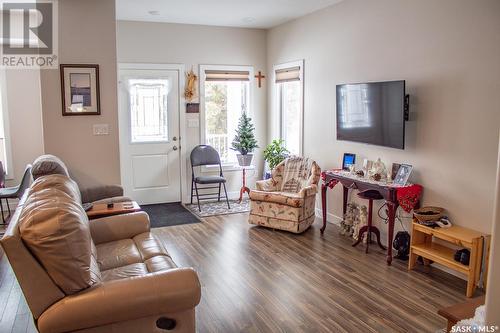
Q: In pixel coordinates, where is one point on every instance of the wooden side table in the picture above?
(244, 187)
(102, 210)
(423, 244)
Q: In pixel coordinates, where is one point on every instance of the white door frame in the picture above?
(180, 68)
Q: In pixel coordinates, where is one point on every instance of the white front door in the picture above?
(149, 135)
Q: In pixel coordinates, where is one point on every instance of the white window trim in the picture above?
(6, 126)
(277, 97)
(202, 69)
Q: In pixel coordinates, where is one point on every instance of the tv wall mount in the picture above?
(407, 107)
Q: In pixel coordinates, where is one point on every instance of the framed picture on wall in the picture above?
(80, 90)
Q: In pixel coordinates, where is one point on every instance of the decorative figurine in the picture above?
(360, 222)
(378, 168)
(349, 219)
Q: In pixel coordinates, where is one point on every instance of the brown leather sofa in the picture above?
(104, 275)
(49, 165)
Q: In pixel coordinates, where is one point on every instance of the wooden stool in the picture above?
(369, 195)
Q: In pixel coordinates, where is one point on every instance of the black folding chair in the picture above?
(16, 191)
(206, 155)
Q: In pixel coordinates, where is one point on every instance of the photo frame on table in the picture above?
(394, 170)
(80, 89)
(349, 159)
(403, 174)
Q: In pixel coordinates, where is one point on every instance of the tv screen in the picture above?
(372, 113)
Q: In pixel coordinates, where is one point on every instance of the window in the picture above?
(5, 152)
(289, 96)
(225, 95)
(148, 110)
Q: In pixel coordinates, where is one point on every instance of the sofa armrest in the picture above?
(116, 227)
(266, 185)
(308, 190)
(94, 193)
(160, 293)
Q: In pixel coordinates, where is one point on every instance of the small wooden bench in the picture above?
(460, 311)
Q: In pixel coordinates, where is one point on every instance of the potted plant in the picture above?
(274, 154)
(244, 142)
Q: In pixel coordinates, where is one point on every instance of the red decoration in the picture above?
(409, 196)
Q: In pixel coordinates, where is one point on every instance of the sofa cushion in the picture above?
(148, 246)
(159, 263)
(117, 254)
(126, 257)
(60, 182)
(55, 228)
(48, 165)
(124, 272)
(284, 198)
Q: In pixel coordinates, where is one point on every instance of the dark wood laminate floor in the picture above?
(259, 280)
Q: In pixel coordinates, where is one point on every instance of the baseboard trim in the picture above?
(330, 218)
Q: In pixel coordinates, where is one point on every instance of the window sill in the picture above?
(225, 167)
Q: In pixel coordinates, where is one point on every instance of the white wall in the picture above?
(25, 119)
(449, 54)
(192, 45)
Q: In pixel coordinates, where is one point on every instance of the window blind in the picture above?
(288, 74)
(219, 75)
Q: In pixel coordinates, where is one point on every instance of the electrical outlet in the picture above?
(100, 129)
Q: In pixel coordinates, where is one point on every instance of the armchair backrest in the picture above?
(295, 173)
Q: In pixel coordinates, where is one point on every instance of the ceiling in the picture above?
(262, 14)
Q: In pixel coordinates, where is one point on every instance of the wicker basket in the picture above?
(428, 213)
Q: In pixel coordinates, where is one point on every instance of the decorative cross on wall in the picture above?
(260, 77)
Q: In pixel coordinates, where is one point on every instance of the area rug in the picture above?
(169, 214)
(213, 208)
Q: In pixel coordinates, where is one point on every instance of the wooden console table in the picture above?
(331, 178)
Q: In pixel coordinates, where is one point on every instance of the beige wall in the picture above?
(87, 34)
(25, 119)
(192, 45)
(449, 54)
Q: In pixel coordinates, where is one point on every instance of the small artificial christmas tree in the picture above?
(244, 141)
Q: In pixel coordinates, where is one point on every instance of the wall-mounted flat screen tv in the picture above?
(372, 113)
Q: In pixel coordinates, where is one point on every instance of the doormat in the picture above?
(169, 214)
(214, 208)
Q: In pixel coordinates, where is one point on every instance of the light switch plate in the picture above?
(100, 129)
(193, 123)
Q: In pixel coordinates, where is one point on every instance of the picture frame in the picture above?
(403, 174)
(394, 170)
(348, 159)
(80, 92)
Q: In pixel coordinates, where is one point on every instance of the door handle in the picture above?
(174, 138)
(175, 148)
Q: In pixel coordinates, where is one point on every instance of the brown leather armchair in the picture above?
(134, 287)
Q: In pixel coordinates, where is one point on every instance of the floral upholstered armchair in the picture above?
(286, 201)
